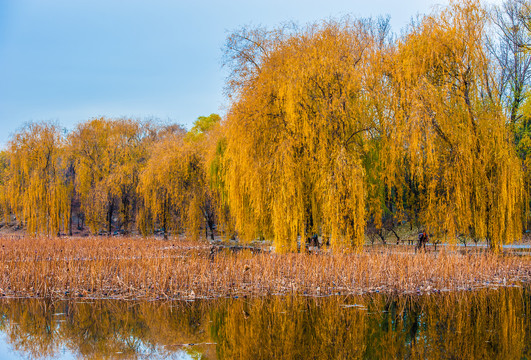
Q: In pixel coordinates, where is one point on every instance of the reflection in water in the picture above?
(466, 325)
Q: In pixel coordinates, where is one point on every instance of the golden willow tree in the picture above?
(449, 145)
(108, 156)
(172, 187)
(36, 189)
(333, 127)
(298, 131)
(207, 137)
(214, 143)
(4, 176)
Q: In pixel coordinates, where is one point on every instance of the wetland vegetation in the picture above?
(129, 268)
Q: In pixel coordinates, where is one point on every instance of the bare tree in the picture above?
(509, 45)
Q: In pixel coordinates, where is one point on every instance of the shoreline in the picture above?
(369, 292)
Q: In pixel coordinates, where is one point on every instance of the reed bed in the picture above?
(131, 268)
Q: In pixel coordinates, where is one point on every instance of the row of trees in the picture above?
(339, 126)
(333, 128)
(110, 175)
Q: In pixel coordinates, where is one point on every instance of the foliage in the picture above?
(34, 181)
(457, 146)
(294, 138)
(336, 130)
(171, 186)
(203, 125)
(108, 156)
(324, 144)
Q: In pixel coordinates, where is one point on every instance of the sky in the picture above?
(69, 61)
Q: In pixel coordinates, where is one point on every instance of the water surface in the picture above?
(453, 325)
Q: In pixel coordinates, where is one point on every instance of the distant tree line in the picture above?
(334, 129)
(109, 175)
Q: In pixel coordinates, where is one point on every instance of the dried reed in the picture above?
(131, 268)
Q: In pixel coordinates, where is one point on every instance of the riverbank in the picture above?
(149, 269)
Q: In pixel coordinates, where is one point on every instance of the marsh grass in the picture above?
(133, 268)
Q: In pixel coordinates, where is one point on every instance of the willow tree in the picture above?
(298, 130)
(510, 48)
(108, 155)
(207, 137)
(214, 145)
(449, 130)
(35, 186)
(4, 176)
(172, 187)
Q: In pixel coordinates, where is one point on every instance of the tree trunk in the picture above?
(70, 220)
(164, 221)
(211, 226)
(109, 214)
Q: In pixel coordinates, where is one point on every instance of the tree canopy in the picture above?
(334, 129)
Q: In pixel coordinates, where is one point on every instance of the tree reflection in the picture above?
(464, 325)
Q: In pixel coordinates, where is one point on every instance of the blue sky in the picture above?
(71, 60)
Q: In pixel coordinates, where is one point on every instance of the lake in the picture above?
(482, 324)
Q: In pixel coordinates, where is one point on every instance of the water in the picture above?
(484, 324)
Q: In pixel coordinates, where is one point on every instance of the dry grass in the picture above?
(177, 269)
